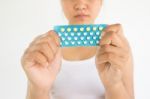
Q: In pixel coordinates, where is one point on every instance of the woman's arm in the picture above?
(35, 93)
(117, 92)
(114, 63)
(41, 62)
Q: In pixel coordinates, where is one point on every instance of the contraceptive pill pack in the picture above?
(79, 35)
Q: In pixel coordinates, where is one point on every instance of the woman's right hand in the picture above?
(42, 60)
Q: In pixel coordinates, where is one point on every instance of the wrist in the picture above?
(114, 87)
(118, 91)
(38, 93)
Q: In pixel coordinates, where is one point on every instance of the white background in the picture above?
(23, 20)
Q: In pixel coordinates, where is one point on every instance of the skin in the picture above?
(42, 59)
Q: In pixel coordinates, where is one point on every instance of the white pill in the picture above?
(63, 38)
(91, 33)
(97, 33)
(68, 29)
(85, 33)
(62, 30)
(72, 34)
(73, 43)
(81, 37)
(91, 42)
(75, 38)
(94, 28)
(82, 29)
(75, 29)
(85, 42)
(66, 43)
(69, 38)
(100, 28)
(88, 29)
(78, 33)
(94, 37)
(79, 42)
(88, 38)
(66, 34)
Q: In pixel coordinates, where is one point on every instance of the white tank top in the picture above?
(78, 80)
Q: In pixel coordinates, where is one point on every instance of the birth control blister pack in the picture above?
(79, 35)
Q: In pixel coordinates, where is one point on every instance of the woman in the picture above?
(42, 61)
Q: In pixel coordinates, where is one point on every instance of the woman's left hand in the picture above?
(114, 59)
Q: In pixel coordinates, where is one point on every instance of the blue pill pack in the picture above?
(79, 35)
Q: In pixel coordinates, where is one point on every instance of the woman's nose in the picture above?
(80, 5)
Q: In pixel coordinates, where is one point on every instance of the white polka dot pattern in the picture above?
(79, 35)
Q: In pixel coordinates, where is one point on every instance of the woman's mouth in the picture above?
(81, 16)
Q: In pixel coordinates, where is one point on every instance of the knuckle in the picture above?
(55, 37)
(43, 45)
(34, 53)
(118, 25)
(50, 40)
(51, 32)
(46, 38)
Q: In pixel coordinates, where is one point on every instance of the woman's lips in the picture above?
(81, 16)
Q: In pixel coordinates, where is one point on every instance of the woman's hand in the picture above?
(114, 61)
(42, 61)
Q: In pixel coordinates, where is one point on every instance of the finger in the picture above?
(105, 65)
(39, 58)
(46, 51)
(57, 57)
(27, 60)
(53, 45)
(111, 49)
(49, 33)
(37, 39)
(111, 38)
(55, 36)
(50, 41)
(113, 59)
(117, 28)
(105, 39)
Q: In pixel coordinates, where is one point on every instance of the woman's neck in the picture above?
(78, 53)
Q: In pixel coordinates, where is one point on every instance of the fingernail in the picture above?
(109, 41)
(107, 45)
(57, 43)
(111, 38)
